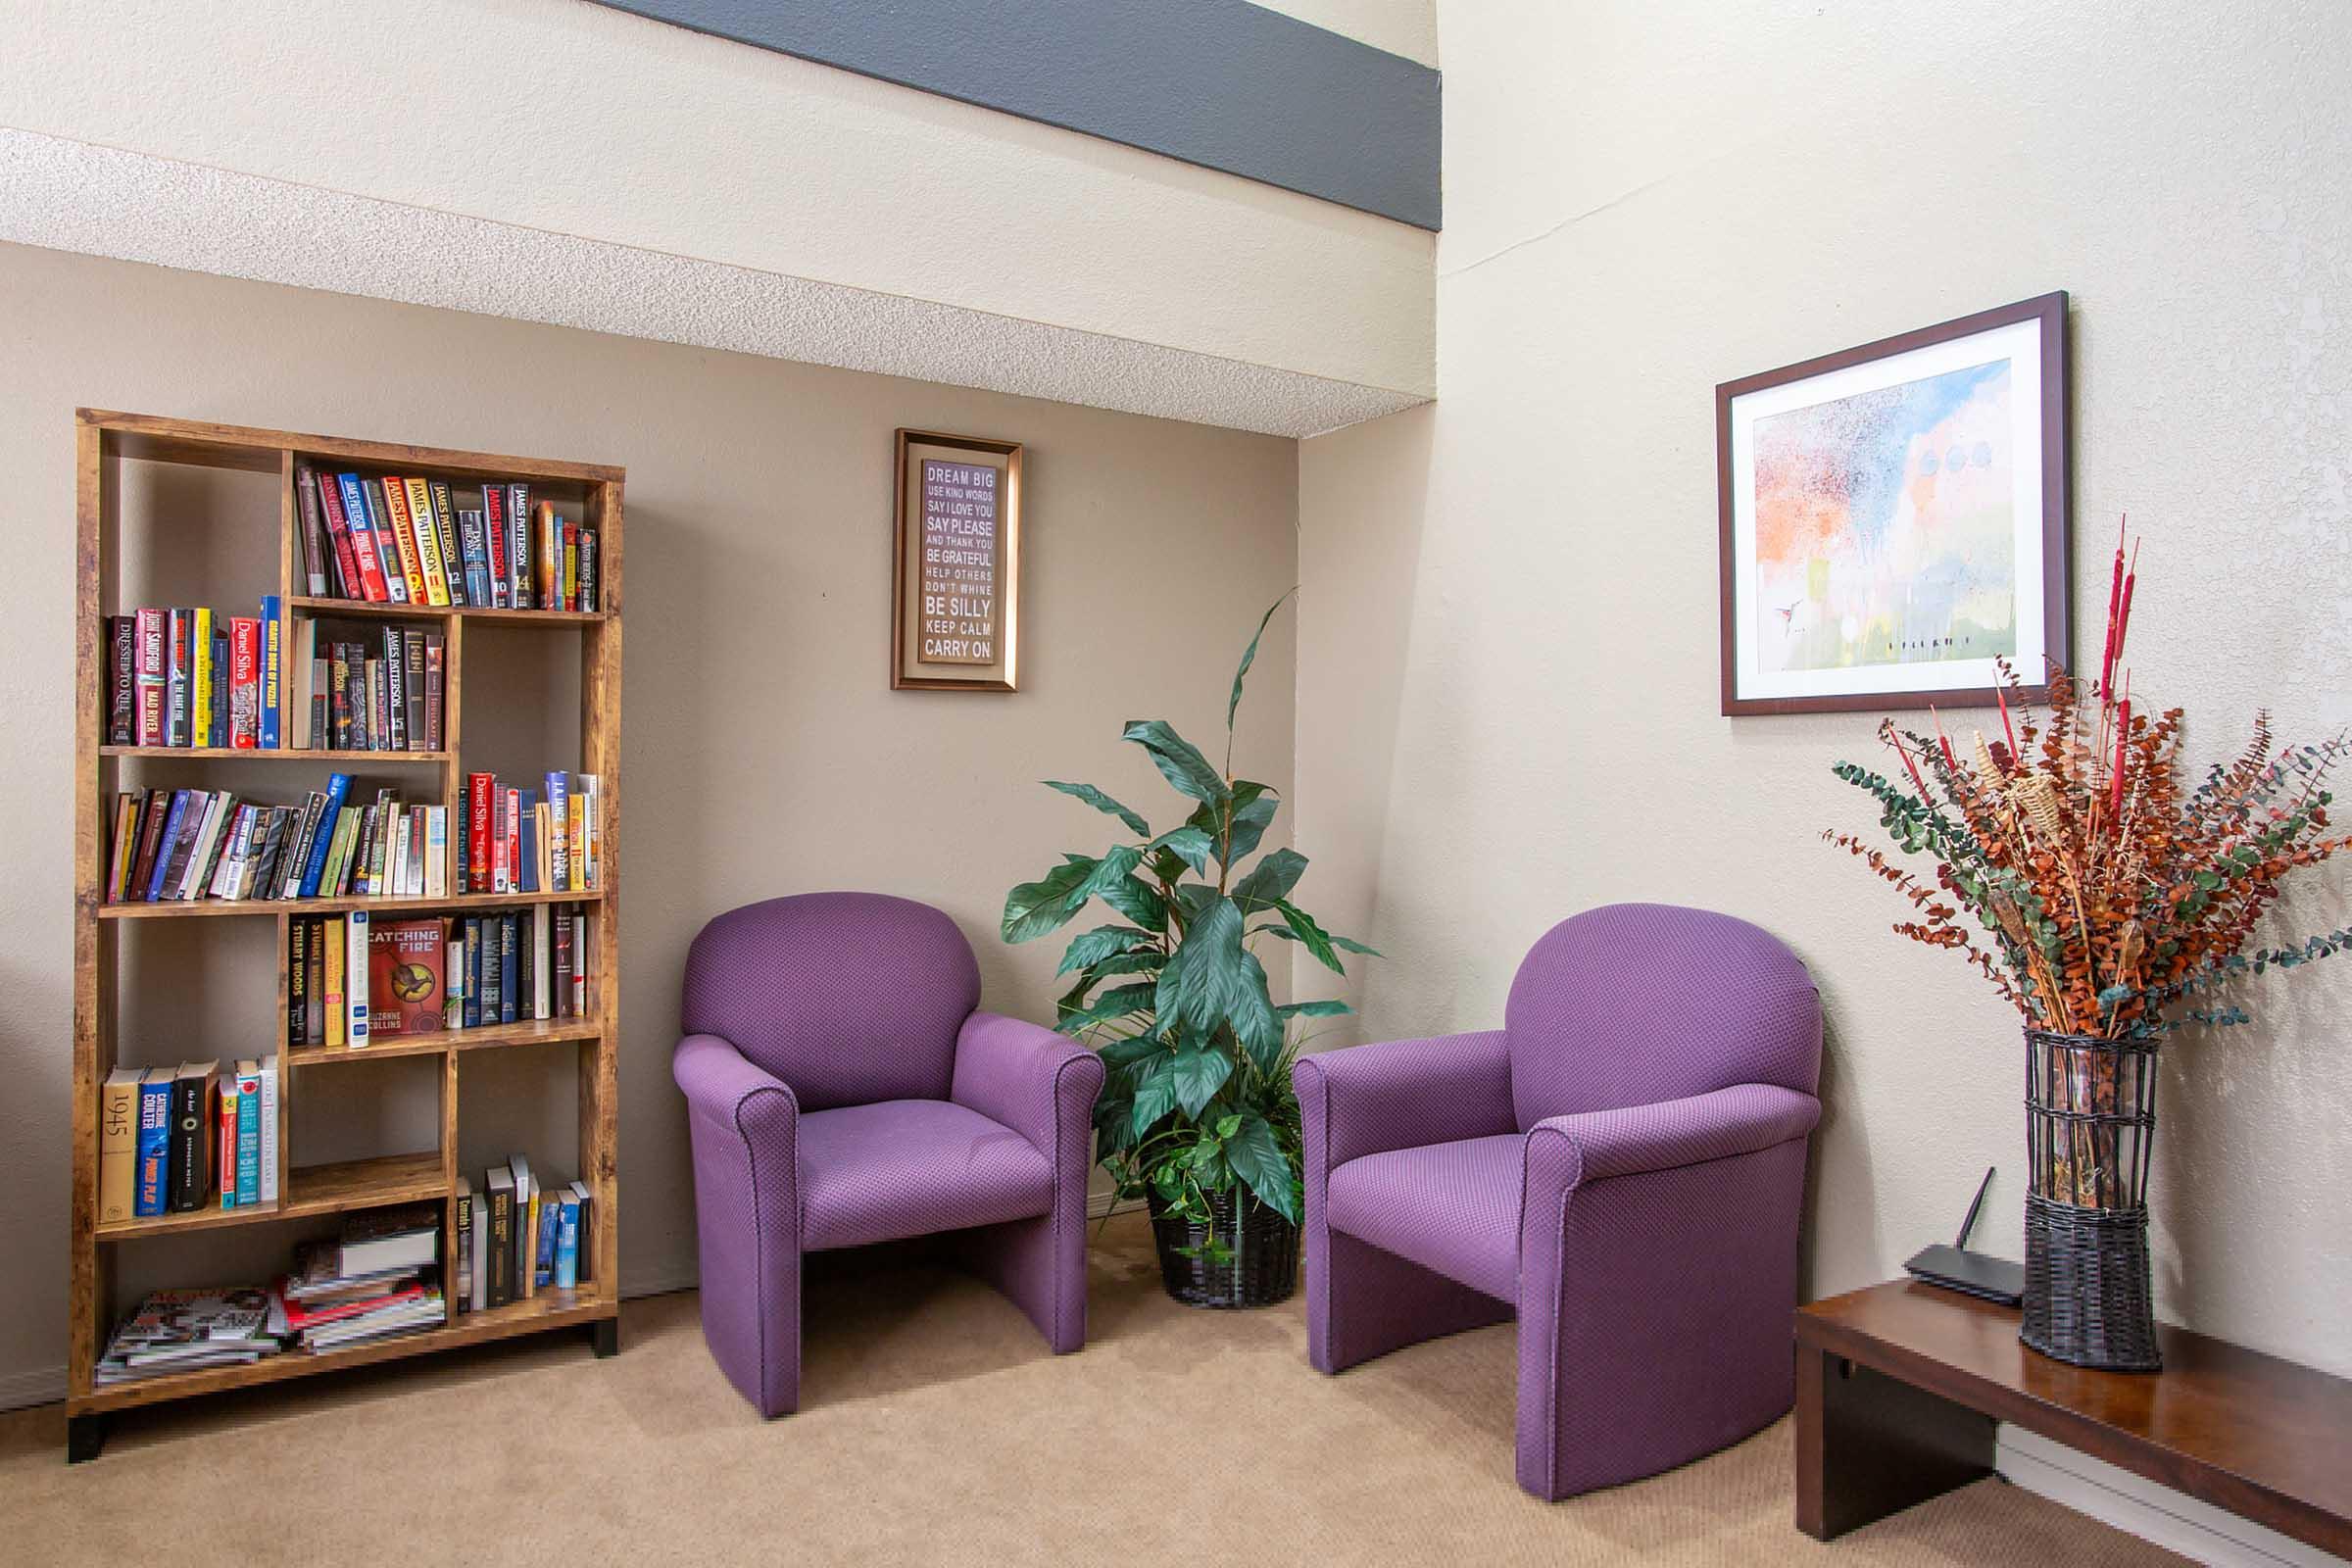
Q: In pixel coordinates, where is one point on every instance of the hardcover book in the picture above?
(406, 987)
(151, 1193)
(118, 1145)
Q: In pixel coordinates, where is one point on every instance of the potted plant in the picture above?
(1197, 1115)
(2111, 905)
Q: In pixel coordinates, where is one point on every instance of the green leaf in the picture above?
(1109, 1006)
(1154, 1097)
(1212, 980)
(1327, 1008)
(1198, 1072)
(1036, 907)
(1189, 844)
(1252, 807)
(1180, 763)
(1092, 947)
(1126, 1053)
(1300, 926)
(1116, 867)
(1227, 1126)
(1137, 902)
(1104, 802)
(1351, 945)
(1270, 881)
(1233, 704)
(1257, 1158)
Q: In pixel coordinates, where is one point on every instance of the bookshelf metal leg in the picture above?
(85, 1438)
(607, 1337)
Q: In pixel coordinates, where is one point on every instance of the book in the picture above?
(118, 1145)
(184, 1331)
(273, 673)
(494, 543)
(225, 1138)
(453, 550)
(349, 583)
(151, 676)
(526, 1226)
(244, 683)
(377, 1240)
(122, 686)
(177, 655)
(338, 787)
(586, 1201)
(314, 547)
(356, 950)
(518, 545)
(479, 1262)
(407, 983)
(151, 1190)
(567, 1241)
(547, 1224)
(461, 1295)
(249, 1132)
(334, 969)
(416, 500)
(559, 845)
(591, 592)
(499, 1182)
(193, 1093)
(268, 1175)
(200, 678)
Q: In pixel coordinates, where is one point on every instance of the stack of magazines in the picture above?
(378, 1280)
(183, 1331)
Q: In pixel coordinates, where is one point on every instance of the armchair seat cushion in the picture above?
(911, 1167)
(1453, 1208)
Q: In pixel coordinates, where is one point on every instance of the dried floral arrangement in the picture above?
(2112, 901)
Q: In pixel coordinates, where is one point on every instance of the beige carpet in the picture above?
(935, 1429)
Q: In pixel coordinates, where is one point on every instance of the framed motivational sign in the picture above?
(956, 578)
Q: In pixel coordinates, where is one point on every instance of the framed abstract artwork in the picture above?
(955, 565)
(1895, 518)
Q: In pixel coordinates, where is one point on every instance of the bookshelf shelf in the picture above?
(552, 1310)
(200, 908)
(487, 1037)
(254, 753)
(106, 509)
(325, 609)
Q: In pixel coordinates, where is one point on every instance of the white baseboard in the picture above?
(2152, 1512)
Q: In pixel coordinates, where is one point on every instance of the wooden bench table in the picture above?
(1898, 1387)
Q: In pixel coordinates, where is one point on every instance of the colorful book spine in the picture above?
(494, 543)
(315, 550)
(178, 652)
(267, 1176)
(568, 1242)
(370, 550)
(249, 1133)
(200, 677)
(122, 668)
(519, 546)
(155, 1142)
(416, 501)
(333, 501)
(225, 1142)
(273, 673)
(245, 683)
(387, 542)
(453, 551)
(152, 674)
(118, 1145)
(334, 970)
(558, 844)
(338, 787)
(355, 982)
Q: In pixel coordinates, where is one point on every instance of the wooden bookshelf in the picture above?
(103, 441)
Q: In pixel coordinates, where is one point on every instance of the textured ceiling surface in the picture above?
(67, 195)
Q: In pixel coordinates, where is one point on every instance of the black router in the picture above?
(1956, 1268)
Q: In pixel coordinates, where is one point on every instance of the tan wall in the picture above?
(763, 750)
(1507, 698)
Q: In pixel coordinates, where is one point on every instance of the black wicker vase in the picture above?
(2090, 1119)
(1263, 1270)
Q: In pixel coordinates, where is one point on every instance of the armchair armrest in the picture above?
(723, 1086)
(1592, 1146)
(1025, 1076)
(1403, 1093)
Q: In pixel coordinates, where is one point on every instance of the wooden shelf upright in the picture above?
(101, 440)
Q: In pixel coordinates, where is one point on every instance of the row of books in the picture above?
(182, 845)
(519, 1236)
(195, 677)
(387, 539)
(378, 1278)
(381, 689)
(548, 840)
(171, 1140)
(351, 978)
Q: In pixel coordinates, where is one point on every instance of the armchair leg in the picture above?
(1362, 1301)
(1038, 1265)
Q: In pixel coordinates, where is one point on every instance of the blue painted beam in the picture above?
(1222, 84)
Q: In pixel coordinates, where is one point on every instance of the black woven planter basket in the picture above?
(1263, 1268)
(2090, 1121)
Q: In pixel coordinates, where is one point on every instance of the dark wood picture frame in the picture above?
(2057, 529)
(907, 526)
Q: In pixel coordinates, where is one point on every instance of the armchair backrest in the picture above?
(1632, 1003)
(849, 997)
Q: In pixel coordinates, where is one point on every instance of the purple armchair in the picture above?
(1621, 1164)
(842, 1090)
